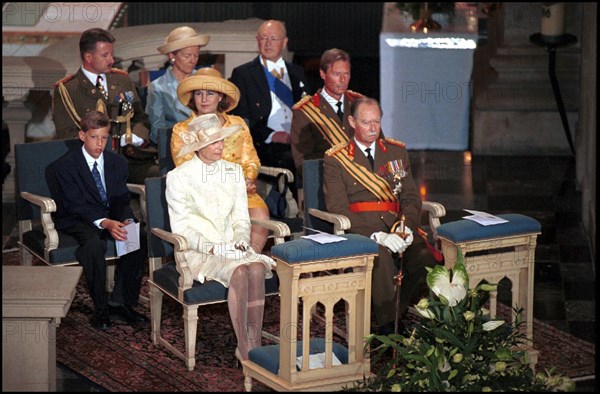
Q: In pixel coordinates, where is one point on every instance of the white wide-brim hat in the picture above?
(183, 37)
(202, 131)
(208, 78)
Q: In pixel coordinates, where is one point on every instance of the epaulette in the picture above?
(301, 102)
(64, 80)
(336, 148)
(118, 71)
(354, 95)
(395, 142)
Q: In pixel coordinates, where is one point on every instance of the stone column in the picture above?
(515, 111)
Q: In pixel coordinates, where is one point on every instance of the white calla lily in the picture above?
(450, 291)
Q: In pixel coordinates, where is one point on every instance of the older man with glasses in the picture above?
(269, 87)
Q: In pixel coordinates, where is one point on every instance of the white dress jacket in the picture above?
(208, 205)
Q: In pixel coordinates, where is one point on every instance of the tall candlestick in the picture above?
(553, 19)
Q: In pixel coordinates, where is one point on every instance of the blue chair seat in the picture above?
(305, 250)
(208, 292)
(468, 230)
(65, 254)
(268, 356)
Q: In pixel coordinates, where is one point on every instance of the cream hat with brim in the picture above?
(208, 78)
(183, 37)
(203, 131)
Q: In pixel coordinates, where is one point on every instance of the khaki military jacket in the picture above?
(85, 95)
(307, 141)
(341, 188)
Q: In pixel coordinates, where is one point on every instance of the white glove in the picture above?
(409, 238)
(391, 241)
(135, 140)
(242, 245)
(223, 248)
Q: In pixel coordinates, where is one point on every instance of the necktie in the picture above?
(371, 160)
(339, 112)
(101, 87)
(98, 181)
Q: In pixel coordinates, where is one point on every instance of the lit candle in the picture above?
(553, 19)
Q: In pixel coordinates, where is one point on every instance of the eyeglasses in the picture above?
(272, 38)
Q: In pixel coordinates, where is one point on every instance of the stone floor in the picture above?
(538, 186)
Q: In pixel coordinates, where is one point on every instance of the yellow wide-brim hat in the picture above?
(208, 78)
(183, 37)
(202, 131)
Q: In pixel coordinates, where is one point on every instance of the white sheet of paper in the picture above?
(483, 218)
(133, 240)
(322, 237)
(317, 361)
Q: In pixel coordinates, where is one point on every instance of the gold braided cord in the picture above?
(68, 103)
(101, 107)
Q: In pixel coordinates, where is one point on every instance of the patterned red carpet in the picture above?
(124, 359)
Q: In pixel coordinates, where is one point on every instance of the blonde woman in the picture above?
(182, 47)
(207, 92)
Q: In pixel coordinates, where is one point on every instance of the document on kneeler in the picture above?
(322, 237)
(484, 218)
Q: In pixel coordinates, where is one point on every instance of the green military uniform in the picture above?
(84, 97)
(342, 189)
(308, 141)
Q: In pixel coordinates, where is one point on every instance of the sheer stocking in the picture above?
(256, 303)
(237, 302)
(246, 302)
(258, 234)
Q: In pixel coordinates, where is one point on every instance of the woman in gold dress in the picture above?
(207, 92)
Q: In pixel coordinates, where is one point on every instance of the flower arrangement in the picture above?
(457, 346)
(414, 9)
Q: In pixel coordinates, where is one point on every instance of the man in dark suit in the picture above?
(269, 87)
(98, 86)
(374, 202)
(93, 206)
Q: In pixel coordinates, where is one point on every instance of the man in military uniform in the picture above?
(358, 184)
(98, 86)
(321, 121)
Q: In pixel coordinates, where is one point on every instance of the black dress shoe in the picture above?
(127, 314)
(101, 320)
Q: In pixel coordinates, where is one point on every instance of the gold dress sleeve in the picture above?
(239, 148)
(177, 143)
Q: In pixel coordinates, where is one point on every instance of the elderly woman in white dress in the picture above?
(208, 206)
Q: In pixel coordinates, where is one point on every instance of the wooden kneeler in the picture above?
(348, 265)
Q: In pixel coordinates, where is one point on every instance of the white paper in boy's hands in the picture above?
(317, 361)
(133, 240)
(484, 218)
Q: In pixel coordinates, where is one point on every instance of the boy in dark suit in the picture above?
(93, 206)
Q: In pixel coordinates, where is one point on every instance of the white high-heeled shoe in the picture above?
(238, 356)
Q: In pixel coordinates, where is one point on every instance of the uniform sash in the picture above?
(373, 182)
(329, 128)
(281, 90)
